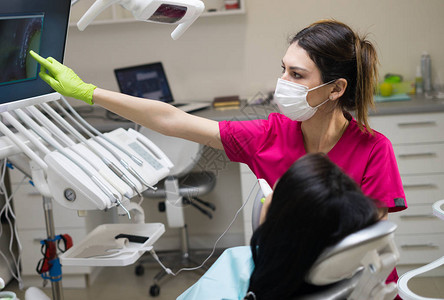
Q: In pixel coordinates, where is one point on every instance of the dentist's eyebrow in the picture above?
(293, 68)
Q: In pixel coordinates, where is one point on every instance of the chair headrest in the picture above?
(343, 260)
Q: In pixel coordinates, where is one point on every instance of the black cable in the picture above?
(206, 203)
(202, 210)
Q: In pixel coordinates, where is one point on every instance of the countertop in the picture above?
(417, 104)
(98, 117)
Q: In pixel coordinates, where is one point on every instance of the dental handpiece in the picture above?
(98, 133)
(72, 130)
(45, 122)
(137, 175)
(103, 187)
(103, 144)
(124, 164)
(20, 144)
(48, 139)
(121, 175)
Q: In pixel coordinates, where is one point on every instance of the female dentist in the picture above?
(327, 72)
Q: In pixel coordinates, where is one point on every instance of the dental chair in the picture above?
(182, 188)
(356, 267)
(404, 291)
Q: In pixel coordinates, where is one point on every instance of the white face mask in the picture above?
(291, 99)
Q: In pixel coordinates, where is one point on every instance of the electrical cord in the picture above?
(8, 212)
(170, 272)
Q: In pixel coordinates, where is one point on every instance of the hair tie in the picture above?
(250, 295)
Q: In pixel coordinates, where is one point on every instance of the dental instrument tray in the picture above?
(101, 248)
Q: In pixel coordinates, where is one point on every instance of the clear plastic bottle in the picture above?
(419, 88)
(426, 72)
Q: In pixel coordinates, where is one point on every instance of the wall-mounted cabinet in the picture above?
(117, 14)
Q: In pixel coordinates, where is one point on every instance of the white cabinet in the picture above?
(117, 14)
(418, 142)
(28, 207)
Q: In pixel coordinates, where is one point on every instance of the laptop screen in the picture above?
(145, 81)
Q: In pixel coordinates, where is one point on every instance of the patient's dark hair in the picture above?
(314, 206)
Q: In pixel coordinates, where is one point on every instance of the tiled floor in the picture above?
(116, 283)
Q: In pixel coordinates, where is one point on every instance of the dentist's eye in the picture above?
(296, 75)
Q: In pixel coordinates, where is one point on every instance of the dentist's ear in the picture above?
(338, 89)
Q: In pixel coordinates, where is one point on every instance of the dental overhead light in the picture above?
(181, 12)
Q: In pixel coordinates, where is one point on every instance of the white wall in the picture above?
(241, 54)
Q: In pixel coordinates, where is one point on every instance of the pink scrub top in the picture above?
(270, 147)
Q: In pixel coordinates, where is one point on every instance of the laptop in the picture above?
(150, 81)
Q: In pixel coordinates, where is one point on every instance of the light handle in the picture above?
(96, 9)
(181, 28)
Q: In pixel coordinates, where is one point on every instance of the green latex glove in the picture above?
(63, 80)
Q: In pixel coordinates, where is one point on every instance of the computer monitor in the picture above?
(145, 81)
(39, 25)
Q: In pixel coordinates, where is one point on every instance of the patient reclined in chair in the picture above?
(321, 239)
(343, 271)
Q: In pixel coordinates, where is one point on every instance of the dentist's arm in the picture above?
(161, 117)
(156, 115)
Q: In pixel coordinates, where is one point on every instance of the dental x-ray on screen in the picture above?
(38, 25)
(19, 34)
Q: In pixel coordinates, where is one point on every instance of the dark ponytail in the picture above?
(339, 52)
(366, 79)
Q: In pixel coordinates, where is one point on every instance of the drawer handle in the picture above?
(425, 245)
(424, 123)
(419, 186)
(417, 216)
(421, 154)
